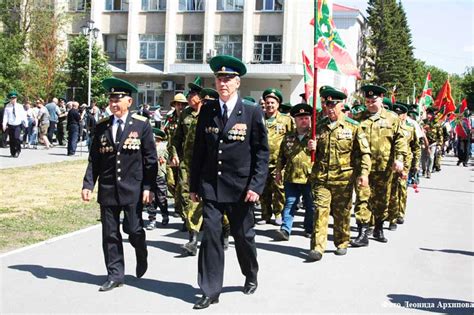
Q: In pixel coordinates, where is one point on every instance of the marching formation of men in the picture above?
(223, 157)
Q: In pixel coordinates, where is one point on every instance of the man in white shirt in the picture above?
(14, 116)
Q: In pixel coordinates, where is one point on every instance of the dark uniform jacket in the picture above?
(123, 171)
(228, 161)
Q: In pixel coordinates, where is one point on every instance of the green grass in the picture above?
(42, 202)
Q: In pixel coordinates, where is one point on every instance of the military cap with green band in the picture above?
(196, 85)
(208, 93)
(329, 93)
(118, 87)
(273, 93)
(227, 65)
(373, 91)
(12, 94)
(285, 107)
(387, 103)
(301, 109)
(158, 133)
(400, 108)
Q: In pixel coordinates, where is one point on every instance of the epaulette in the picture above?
(139, 117)
(351, 121)
(104, 119)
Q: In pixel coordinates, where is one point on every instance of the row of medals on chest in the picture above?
(237, 132)
(131, 143)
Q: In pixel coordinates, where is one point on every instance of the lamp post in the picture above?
(89, 30)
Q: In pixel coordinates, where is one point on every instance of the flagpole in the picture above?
(315, 78)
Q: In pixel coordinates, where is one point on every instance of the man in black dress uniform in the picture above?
(123, 159)
(228, 172)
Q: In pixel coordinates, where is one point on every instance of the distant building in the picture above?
(161, 45)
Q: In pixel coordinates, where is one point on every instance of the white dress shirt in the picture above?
(115, 124)
(230, 104)
(14, 119)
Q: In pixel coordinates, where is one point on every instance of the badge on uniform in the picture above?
(214, 130)
(382, 123)
(280, 128)
(345, 134)
(132, 142)
(104, 148)
(237, 132)
(290, 141)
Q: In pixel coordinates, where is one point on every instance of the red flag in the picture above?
(463, 106)
(444, 101)
(308, 79)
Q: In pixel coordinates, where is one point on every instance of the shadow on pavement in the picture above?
(182, 291)
(450, 251)
(283, 249)
(433, 305)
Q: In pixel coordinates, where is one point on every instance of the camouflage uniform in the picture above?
(398, 196)
(182, 147)
(444, 137)
(435, 137)
(172, 172)
(294, 159)
(387, 144)
(273, 194)
(342, 153)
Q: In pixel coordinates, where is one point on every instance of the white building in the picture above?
(161, 45)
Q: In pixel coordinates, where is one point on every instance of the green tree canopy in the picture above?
(78, 63)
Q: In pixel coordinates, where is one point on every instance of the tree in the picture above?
(31, 59)
(78, 63)
(467, 87)
(392, 49)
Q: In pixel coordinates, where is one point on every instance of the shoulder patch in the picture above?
(351, 121)
(139, 117)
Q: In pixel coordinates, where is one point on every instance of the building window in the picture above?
(230, 5)
(115, 46)
(269, 5)
(267, 49)
(189, 48)
(153, 5)
(191, 5)
(78, 5)
(116, 5)
(228, 45)
(152, 47)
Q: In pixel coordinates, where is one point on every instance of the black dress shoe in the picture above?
(282, 235)
(109, 285)
(250, 287)
(204, 302)
(142, 263)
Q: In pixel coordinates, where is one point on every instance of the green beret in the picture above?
(274, 93)
(196, 85)
(373, 91)
(160, 134)
(12, 94)
(387, 103)
(329, 93)
(285, 108)
(346, 107)
(400, 108)
(119, 87)
(227, 65)
(208, 93)
(301, 109)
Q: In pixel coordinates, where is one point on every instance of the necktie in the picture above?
(14, 112)
(224, 115)
(118, 134)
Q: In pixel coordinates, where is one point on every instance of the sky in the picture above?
(442, 31)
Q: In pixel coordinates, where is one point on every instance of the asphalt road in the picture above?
(426, 266)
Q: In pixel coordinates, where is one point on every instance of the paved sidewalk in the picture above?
(427, 265)
(40, 155)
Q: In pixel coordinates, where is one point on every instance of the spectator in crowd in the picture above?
(62, 123)
(73, 121)
(43, 123)
(54, 112)
(157, 117)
